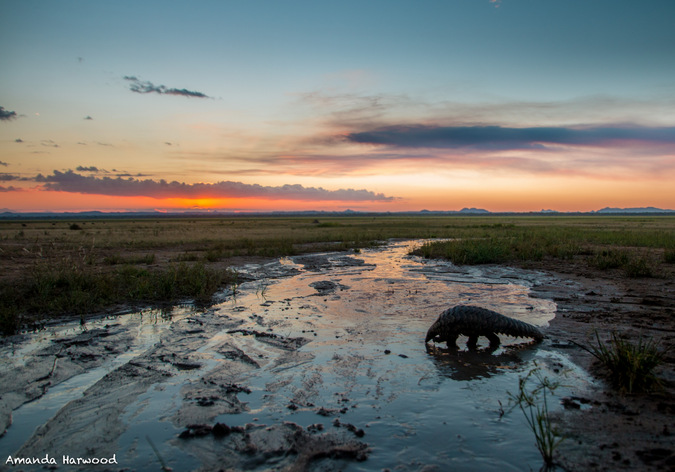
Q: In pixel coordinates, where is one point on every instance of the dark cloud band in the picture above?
(139, 86)
(501, 138)
(73, 182)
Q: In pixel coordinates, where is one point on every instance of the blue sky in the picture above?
(272, 94)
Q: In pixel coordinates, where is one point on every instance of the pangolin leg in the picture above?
(452, 341)
(494, 340)
(472, 342)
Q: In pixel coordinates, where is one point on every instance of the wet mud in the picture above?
(608, 430)
(314, 363)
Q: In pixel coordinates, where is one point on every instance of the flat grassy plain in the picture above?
(59, 267)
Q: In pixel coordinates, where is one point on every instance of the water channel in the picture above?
(334, 340)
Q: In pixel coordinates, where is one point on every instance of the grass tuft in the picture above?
(631, 366)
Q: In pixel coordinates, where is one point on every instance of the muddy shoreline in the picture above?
(616, 432)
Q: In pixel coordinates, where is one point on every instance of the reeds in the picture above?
(533, 402)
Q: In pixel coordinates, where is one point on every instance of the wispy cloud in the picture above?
(346, 110)
(503, 138)
(10, 189)
(113, 172)
(49, 143)
(7, 115)
(140, 86)
(4, 164)
(70, 181)
(360, 112)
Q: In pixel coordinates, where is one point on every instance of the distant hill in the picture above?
(474, 211)
(634, 210)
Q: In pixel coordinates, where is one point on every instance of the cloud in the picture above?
(139, 86)
(70, 181)
(4, 164)
(49, 143)
(357, 110)
(88, 117)
(10, 189)
(18, 140)
(504, 138)
(86, 169)
(7, 115)
(126, 174)
(4, 177)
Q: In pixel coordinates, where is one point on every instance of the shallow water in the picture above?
(365, 316)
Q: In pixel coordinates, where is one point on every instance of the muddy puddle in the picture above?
(317, 362)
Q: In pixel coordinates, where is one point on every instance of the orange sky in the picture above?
(557, 194)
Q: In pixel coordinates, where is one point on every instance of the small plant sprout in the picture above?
(533, 402)
(235, 283)
(165, 467)
(261, 291)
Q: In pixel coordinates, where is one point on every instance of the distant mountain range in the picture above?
(634, 210)
(7, 214)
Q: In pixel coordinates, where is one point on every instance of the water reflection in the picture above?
(472, 364)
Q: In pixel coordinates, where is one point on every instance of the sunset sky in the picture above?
(506, 105)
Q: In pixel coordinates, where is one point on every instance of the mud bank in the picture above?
(316, 363)
(614, 431)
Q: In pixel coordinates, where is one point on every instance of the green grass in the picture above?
(72, 288)
(630, 366)
(624, 244)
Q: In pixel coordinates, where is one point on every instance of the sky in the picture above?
(375, 105)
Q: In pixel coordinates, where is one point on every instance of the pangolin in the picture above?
(473, 321)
